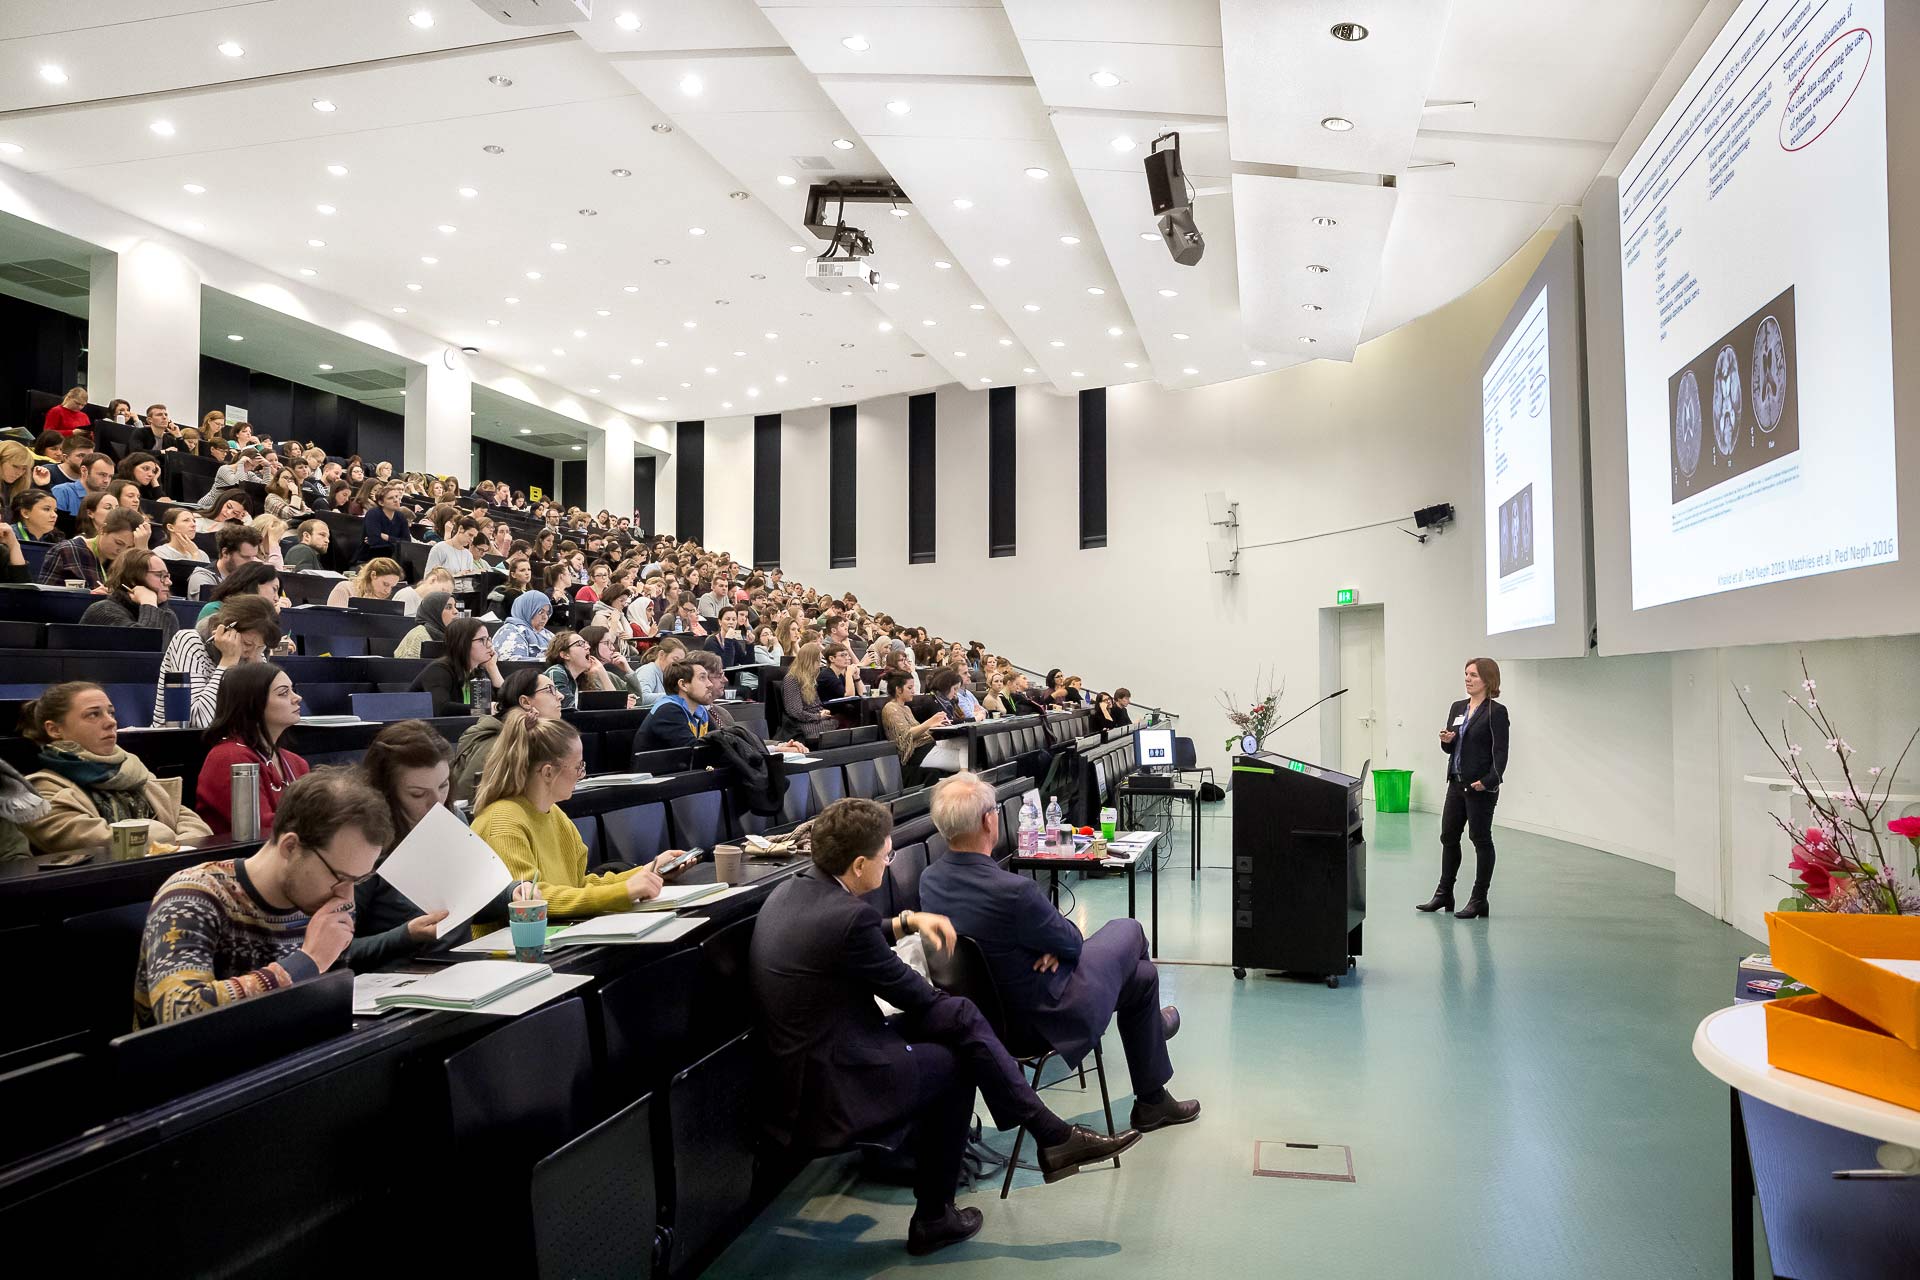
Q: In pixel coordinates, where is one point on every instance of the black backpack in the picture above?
(760, 780)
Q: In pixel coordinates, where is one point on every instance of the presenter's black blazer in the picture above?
(1483, 756)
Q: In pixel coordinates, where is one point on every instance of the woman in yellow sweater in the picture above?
(534, 766)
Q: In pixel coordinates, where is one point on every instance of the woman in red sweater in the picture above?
(70, 414)
(256, 706)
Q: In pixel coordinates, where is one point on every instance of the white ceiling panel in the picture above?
(120, 48)
(1194, 22)
(1280, 242)
(1441, 247)
(902, 39)
(639, 26)
(1286, 73)
(1089, 141)
(1180, 79)
(938, 108)
(1492, 167)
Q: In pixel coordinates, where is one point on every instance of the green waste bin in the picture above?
(1392, 790)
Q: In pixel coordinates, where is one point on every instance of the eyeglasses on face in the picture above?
(338, 878)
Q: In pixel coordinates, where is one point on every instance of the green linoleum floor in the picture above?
(1518, 1092)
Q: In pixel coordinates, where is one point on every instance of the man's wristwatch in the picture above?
(905, 925)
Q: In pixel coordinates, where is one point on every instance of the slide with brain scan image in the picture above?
(1756, 311)
(1517, 456)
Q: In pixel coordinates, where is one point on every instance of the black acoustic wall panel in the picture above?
(922, 483)
(843, 485)
(690, 481)
(1000, 472)
(766, 491)
(645, 476)
(1093, 468)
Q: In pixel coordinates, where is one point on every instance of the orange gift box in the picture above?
(1825, 951)
(1814, 1036)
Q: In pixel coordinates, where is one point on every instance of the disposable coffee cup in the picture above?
(130, 838)
(527, 921)
(729, 863)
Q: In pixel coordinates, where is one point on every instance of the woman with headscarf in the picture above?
(435, 612)
(524, 636)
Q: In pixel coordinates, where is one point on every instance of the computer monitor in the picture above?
(1153, 748)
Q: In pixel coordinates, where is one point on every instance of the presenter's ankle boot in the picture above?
(1475, 908)
(1442, 900)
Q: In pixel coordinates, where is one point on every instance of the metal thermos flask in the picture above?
(245, 802)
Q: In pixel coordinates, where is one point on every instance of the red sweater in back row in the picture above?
(66, 421)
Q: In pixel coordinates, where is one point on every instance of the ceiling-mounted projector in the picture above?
(537, 13)
(842, 275)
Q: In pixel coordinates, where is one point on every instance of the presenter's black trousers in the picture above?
(1471, 811)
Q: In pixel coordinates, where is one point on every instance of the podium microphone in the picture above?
(1290, 719)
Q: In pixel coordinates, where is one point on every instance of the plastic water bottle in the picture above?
(482, 696)
(1054, 822)
(1029, 828)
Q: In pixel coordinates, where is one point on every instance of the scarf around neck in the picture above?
(115, 782)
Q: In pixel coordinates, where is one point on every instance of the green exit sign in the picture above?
(1345, 595)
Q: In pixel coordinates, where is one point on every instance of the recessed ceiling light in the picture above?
(1258, 364)
(325, 209)
(885, 326)
(1122, 142)
(533, 275)
(1336, 124)
(1352, 32)
(742, 353)
(976, 306)
(162, 127)
(857, 44)
(494, 323)
(1316, 268)
(602, 311)
(526, 431)
(316, 244)
(986, 379)
(621, 173)
(1181, 337)
(636, 360)
(816, 399)
(942, 264)
(960, 355)
(446, 228)
(627, 21)
(1077, 374)
(1130, 365)
(663, 127)
(1003, 262)
(899, 107)
(539, 368)
(53, 74)
(558, 246)
(796, 248)
(1189, 371)
(711, 369)
(963, 203)
(235, 337)
(231, 48)
(1069, 240)
(323, 104)
(786, 179)
(494, 149)
(891, 286)
(661, 343)
(512, 302)
(421, 18)
(691, 85)
(559, 351)
(429, 260)
(1114, 331)
(1056, 344)
(929, 323)
(308, 271)
(1029, 369)
(500, 82)
(193, 188)
(844, 144)
(779, 377)
(1006, 342)
(1105, 79)
(696, 231)
(630, 288)
(325, 367)
(1169, 293)
(413, 287)
(1149, 235)
(686, 386)
(1322, 220)
(689, 324)
(1096, 290)
(753, 391)
(468, 193)
(1311, 306)
(1032, 306)
(1035, 171)
(579, 333)
(11, 148)
(1307, 341)
(898, 212)
(399, 311)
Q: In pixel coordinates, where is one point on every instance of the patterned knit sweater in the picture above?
(211, 940)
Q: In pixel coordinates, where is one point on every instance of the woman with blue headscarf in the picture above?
(524, 636)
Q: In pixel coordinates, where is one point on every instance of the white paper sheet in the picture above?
(368, 986)
(525, 1000)
(624, 927)
(443, 866)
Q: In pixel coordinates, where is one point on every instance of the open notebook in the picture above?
(674, 897)
(474, 984)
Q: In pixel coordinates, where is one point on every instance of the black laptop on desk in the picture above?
(601, 700)
(367, 604)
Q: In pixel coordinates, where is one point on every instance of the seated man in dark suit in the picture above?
(1066, 987)
(842, 1074)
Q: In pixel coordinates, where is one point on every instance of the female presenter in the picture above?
(1475, 741)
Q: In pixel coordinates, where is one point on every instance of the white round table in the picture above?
(1732, 1044)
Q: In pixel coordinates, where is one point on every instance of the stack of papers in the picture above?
(472, 985)
(611, 780)
(326, 720)
(673, 897)
(630, 926)
(443, 866)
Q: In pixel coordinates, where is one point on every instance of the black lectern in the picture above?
(1299, 867)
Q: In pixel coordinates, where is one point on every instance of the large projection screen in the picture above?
(1753, 218)
(1532, 571)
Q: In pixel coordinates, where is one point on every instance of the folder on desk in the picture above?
(675, 896)
(471, 985)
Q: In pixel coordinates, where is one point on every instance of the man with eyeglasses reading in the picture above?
(230, 930)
